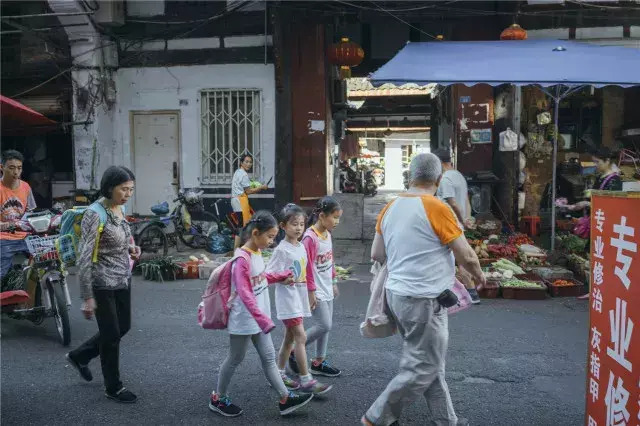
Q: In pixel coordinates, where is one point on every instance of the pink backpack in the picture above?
(213, 311)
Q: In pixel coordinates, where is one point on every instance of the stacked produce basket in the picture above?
(509, 262)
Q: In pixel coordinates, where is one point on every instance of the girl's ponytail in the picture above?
(326, 205)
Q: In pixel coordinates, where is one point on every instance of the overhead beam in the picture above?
(39, 15)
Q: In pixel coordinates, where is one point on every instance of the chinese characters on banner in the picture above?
(613, 361)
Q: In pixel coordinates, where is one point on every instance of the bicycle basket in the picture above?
(43, 249)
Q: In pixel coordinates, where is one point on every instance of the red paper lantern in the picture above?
(345, 54)
(514, 32)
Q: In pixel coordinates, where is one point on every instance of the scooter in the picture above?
(50, 298)
(368, 182)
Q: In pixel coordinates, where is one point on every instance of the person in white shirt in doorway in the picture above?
(453, 191)
(419, 237)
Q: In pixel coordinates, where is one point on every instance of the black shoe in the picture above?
(124, 396)
(223, 406)
(324, 369)
(475, 298)
(294, 401)
(84, 371)
(293, 365)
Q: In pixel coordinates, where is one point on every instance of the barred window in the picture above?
(231, 120)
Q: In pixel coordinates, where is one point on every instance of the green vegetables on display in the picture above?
(516, 283)
(343, 273)
(506, 265)
(572, 243)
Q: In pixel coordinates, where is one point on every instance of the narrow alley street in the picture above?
(509, 363)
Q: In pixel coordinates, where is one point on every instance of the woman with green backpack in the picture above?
(105, 252)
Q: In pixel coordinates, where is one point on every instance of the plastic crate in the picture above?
(206, 269)
(491, 290)
(520, 293)
(575, 290)
(190, 270)
(529, 276)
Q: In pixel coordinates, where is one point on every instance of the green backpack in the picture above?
(71, 232)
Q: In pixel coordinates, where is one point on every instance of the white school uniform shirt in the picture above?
(292, 301)
(323, 266)
(240, 319)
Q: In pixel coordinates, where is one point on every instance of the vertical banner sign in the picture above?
(613, 361)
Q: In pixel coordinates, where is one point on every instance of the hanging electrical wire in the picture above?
(41, 84)
(405, 22)
(227, 11)
(408, 9)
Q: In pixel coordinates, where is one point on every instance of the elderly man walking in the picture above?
(419, 237)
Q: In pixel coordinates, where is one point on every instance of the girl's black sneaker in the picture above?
(294, 402)
(324, 369)
(223, 406)
(124, 396)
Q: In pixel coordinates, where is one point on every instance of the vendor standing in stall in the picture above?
(454, 192)
(241, 188)
(608, 177)
(608, 180)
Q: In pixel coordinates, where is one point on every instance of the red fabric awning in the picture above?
(17, 118)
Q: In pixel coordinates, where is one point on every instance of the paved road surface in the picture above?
(509, 363)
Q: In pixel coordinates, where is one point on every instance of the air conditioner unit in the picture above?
(110, 12)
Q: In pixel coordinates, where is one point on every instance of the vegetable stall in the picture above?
(515, 268)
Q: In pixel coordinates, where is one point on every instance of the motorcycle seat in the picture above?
(13, 297)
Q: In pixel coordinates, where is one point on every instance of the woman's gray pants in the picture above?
(424, 327)
(319, 333)
(238, 345)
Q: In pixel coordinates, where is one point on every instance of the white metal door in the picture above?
(156, 158)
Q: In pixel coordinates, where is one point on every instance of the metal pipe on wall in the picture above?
(556, 110)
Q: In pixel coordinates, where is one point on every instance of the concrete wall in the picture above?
(612, 113)
(178, 89)
(350, 227)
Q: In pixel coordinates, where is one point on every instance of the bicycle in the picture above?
(155, 234)
(50, 298)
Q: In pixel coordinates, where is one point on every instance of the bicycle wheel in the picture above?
(60, 311)
(153, 240)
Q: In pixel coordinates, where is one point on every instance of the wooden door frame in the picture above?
(132, 151)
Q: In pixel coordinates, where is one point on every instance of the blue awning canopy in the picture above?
(524, 62)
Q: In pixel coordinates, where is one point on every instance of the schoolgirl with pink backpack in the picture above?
(237, 299)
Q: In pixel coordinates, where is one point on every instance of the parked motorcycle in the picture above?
(153, 235)
(50, 297)
(368, 182)
(348, 178)
(361, 180)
